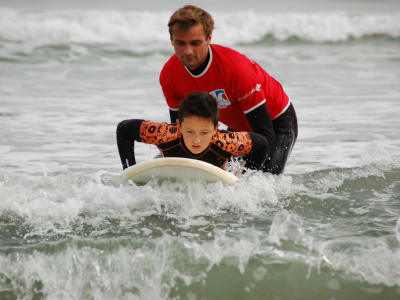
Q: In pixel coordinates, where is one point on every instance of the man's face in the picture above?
(191, 46)
(197, 133)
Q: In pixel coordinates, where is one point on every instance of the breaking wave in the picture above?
(142, 29)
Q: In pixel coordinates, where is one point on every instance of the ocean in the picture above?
(328, 228)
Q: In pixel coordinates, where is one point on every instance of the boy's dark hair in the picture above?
(199, 104)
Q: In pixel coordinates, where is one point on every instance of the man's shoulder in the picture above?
(224, 49)
(173, 60)
(173, 64)
(230, 57)
(226, 52)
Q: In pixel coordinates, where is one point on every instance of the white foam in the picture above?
(372, 259)
(397, 230)
(287, 226)
(78, 271)
(185, 200)
(61, 204)
(369, 258)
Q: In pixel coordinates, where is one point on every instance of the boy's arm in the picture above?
(254, 147)
(128, 132)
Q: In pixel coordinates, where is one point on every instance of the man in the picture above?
(249, 99)
(194, 136)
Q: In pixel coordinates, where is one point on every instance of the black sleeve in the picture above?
(128, 132)
(174, 115)
(259, 152)
(261, 123)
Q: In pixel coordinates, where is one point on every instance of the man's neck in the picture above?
(202, 67)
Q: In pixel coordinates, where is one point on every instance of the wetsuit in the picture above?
(249, 99)
(169, 140)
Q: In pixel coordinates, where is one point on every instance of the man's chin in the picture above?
(190, 66)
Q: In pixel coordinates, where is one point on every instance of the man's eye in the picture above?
(195, 43)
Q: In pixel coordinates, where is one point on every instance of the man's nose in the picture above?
(188, 50)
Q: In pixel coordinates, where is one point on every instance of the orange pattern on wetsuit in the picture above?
(158, 133)
(236, 143)
(169, 140)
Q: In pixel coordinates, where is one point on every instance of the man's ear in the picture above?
(178, 124)
(208, 40)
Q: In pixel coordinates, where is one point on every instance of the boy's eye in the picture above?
(195, 43)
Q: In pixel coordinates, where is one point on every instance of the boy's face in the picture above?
(197, 133)
(191, 46)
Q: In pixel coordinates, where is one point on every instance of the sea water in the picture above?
(328, 228)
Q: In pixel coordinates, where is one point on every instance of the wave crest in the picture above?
(137, 29)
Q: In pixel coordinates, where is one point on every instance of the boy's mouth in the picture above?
(195, 147)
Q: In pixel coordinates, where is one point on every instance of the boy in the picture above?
(195, 136)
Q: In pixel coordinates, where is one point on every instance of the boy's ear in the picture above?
(178, 123)
(216, 128)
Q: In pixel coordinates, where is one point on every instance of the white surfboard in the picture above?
(177, 168)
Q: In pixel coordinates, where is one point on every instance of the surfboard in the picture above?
(176, 168)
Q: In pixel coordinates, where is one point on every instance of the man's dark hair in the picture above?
(191, 15)
(199, 104)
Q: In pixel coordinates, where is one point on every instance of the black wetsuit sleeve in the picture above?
(174, 115)
(128, 132)
(261, 123)
(259, 152)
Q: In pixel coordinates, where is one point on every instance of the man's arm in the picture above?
(171, 98)
(256, 158)
(261, 123)
(174, 115)
(128, 132)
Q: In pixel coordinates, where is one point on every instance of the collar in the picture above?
(201, 70)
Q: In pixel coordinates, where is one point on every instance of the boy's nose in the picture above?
(197, 138)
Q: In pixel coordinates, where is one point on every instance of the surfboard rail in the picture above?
(177, 168)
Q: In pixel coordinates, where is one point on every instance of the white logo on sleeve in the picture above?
(222, 98)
